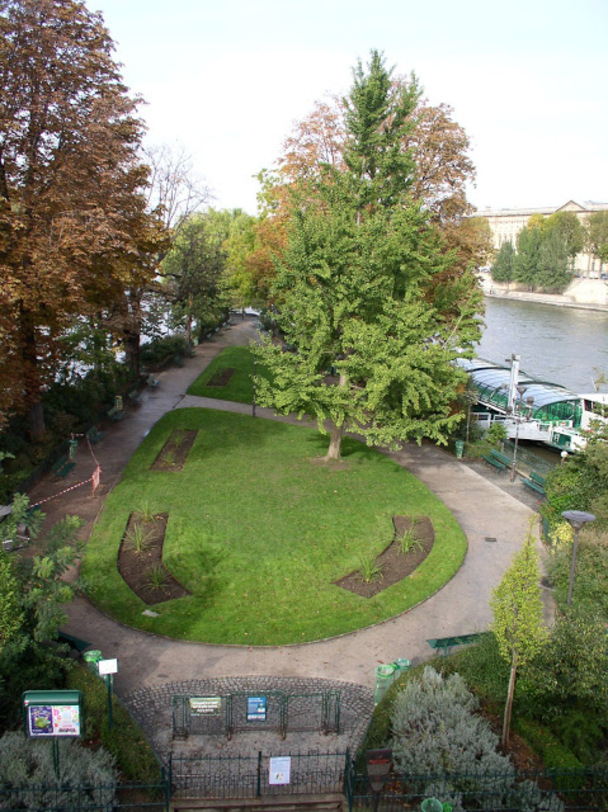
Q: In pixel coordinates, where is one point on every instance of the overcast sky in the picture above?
(227, 79)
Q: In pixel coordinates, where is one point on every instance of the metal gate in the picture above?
(258, 775)
(265, 711)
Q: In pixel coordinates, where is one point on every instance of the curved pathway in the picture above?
(484, 511)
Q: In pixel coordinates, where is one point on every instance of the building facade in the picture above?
(507, 223)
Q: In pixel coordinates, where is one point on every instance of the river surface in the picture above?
(564, 345)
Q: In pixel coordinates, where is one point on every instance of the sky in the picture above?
(225, 81)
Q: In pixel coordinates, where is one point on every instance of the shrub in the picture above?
(156, 352)
(436, 731)
(27, 767)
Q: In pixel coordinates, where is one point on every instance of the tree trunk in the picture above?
(131, 340)
(335, 443)
(506, 723)
(36, 420)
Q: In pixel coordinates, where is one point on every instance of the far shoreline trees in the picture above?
(544, 254)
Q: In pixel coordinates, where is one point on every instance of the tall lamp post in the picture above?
(517, 411)
(576, 519)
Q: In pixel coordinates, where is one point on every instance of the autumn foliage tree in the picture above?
(73, 229)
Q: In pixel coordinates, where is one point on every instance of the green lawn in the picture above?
(240, 386)
(259, 530)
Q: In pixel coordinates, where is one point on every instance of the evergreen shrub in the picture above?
(28, 779)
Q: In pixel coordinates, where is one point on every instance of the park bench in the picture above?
(116, 414)
(499, 460)
(498, 455)
(62, 467)
(445, 644)
(73, 642)
(500, 466)
(135, 397)
(535, 483)
(94, 435)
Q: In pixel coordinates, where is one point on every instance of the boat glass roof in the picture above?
(490, 376)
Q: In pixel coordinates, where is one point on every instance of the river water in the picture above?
(564, 345)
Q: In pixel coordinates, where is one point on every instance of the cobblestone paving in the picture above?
(152, 708)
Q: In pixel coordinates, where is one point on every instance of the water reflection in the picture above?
(558, 344)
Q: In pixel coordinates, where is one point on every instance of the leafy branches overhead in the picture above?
(73, 227)
(367, 293)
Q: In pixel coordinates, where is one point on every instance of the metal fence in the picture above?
(242, 711)
(549, 790)
(58, 797)
(258, 775)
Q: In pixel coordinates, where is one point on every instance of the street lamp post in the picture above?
(517, 412)
(576, 519)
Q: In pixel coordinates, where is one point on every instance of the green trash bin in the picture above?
(459, 446)
(385, 674)
(431, 805)
(91, 658)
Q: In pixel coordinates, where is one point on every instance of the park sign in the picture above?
(49, 714)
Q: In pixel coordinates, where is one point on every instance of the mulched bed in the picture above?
(137, 568)
(174, 453)
(395, 565)
(221, 377)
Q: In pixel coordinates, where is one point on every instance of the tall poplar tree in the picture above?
(518, 619)
(358, 288)
(73, 230)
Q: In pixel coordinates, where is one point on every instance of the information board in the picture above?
(52, 713)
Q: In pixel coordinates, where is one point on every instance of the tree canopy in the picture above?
(74, 233)
(366, 292)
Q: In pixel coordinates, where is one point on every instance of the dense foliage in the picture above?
(366, 288)
(75, 237)
(546, 249)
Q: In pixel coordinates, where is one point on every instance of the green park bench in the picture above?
(73, 642)
(62, 467)
(502, 458)
(445, 644)
(94, 435)
(535, 482)
(135, 397)
(500, 466)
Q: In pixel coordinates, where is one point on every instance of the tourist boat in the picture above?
(531, 409)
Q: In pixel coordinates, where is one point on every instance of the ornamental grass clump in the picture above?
(409, 541)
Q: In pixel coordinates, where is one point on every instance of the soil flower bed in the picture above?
(393, 565)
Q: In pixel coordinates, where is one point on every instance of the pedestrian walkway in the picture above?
(494, 522)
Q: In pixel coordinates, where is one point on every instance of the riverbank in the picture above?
(584, 294)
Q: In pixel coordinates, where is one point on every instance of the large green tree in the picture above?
(597, 234)
(192, 272)
(73, 230)
(364, 291)
(503, 269)
(529, 241)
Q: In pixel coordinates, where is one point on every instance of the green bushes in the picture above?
(437, 731)
(28, 773)
(125, 742)
(157, 352)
